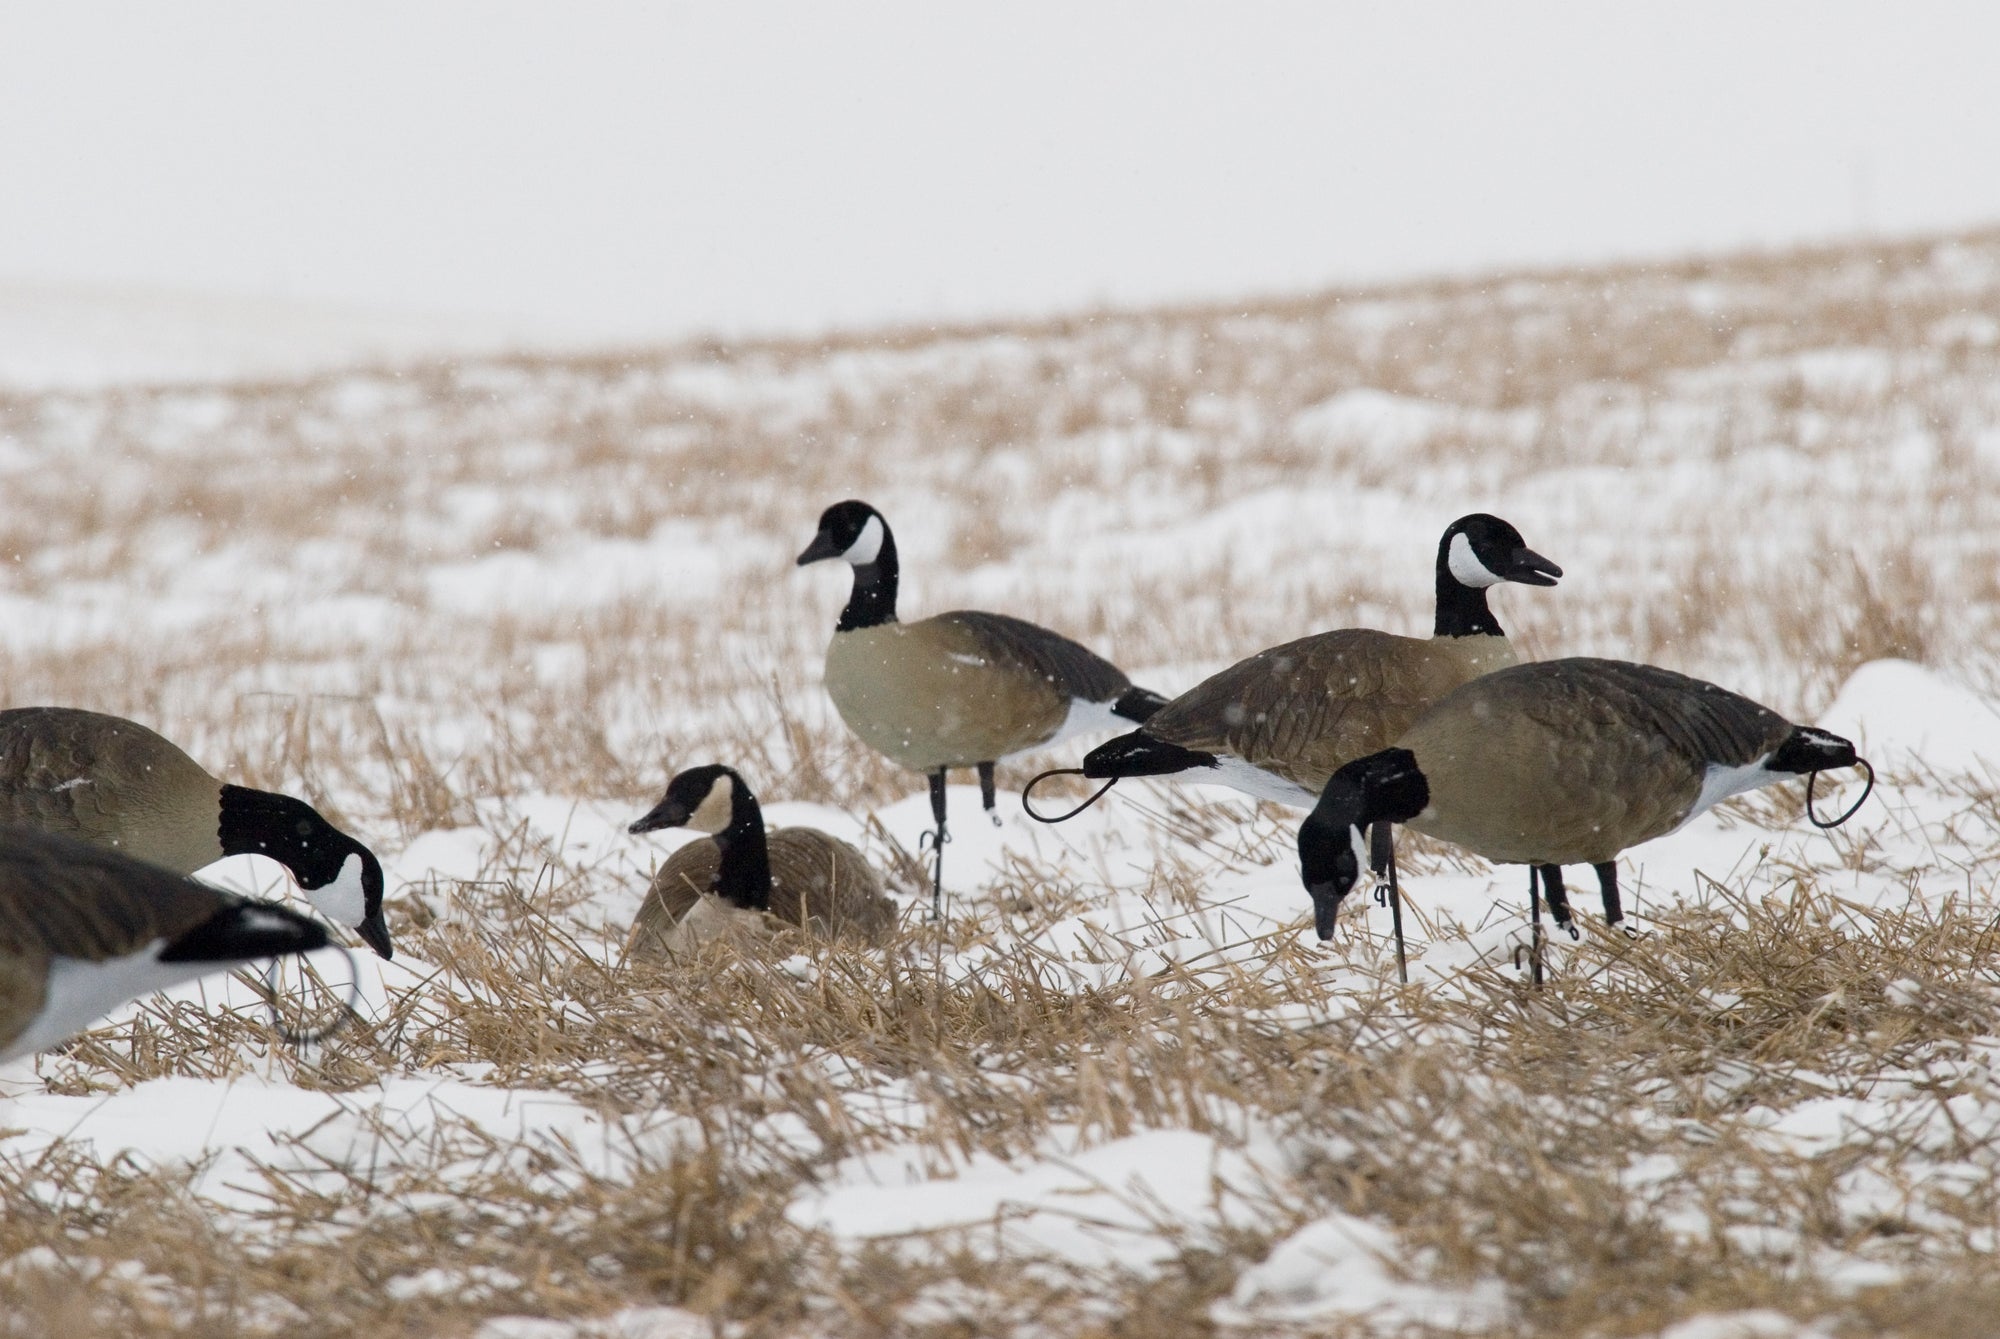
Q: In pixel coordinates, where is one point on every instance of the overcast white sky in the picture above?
(623, 169)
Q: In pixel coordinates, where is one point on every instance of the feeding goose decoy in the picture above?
(960, 689)
(801, 877)
(1559, 762)
(83, 929)
(115, 783)
(1278, 724)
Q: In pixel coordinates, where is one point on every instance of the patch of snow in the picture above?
(1343, 1266)
(1760, 1324)
(1110, 1203)
(232, 1128)
(642, 1322)
(448, 854)
(1379, 429)
(461, 1285)
(1903, 714)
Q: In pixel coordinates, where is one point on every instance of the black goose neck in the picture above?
(1343, 804)
(873, 601)
(743, 871)
(1394, 788)
(289, 831)
(1388, 786)
(1462, 610)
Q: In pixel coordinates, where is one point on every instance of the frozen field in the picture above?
(480, 613)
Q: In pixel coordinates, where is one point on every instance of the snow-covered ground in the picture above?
(482, 612)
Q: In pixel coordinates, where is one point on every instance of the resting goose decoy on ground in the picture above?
(1559, 762)
(799, 876)
(960, 689)
(84, 929)
(115, 783)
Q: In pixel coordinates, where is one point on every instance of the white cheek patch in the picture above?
(1466, 569)
(716, 808)
(344, 901)
(867, 545)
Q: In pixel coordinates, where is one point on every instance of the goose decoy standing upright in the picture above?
(799, 876)
(113, 782)
(959, 689)
(1278, 724)
(1558, 762)
(83, 929)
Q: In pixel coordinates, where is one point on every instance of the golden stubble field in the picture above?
(431, 599)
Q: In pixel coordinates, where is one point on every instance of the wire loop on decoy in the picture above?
(1852, 809)
(1040, 777)
(313, 1036)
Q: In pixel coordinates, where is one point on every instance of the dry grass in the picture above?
(1496, 1129)
(423, 597)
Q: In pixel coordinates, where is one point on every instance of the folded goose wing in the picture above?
(132, 927)
(1071, 669)
(822, 881)
(71, 899)
(1302, 710)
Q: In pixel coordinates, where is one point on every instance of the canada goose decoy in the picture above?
(115, 783)
(84, 929)
(1278, 724)
(961, 689)
(799, 876)
(1559, 762)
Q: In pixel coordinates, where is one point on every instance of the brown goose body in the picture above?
(1569, 762)
(818, 883)
(1279, 724)
(746, 877)
(966, 687)
(1294, 714)
(83, 928)
(110, 781)
(114, 783)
